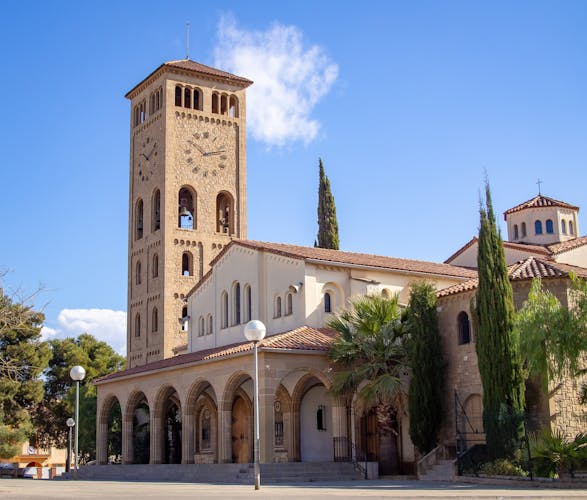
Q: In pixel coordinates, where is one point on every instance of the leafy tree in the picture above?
(327, 222)
(98, 359)
(369, 356)
(545, 326)
(23, 356)
(497, 342)
(425, 393)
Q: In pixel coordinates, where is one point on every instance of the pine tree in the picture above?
(497, 343)
(425, 394)
(327, 223)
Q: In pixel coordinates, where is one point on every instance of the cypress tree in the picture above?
(497, 343)
(327, 223)
(425, 394)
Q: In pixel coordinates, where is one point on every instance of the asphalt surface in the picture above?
(28, 489)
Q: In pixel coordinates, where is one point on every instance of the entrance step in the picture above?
(220, 473)
(443, 470)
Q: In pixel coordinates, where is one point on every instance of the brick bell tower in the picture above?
(187, 195)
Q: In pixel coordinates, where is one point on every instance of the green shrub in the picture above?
(503, 467)
(552, 453)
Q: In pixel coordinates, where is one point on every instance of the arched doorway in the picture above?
(114, 433)
(378, 446)
(173, 433)
(241, 430)
(316, 425)
(141, 433)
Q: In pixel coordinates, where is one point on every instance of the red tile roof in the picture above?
(524, 247)
(565, 246)
(197, 68)
(529, 268)
(303, 338)
(539, 201)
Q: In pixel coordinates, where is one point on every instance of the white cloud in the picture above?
(47, 333)
(104, 324)
(290, 79)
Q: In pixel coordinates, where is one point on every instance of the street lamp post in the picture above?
(77, 373)
(255, 332)
(70, 423)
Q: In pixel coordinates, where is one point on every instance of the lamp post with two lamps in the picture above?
(77, 373)
(255, 332)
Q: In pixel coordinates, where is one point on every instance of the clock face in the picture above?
(147, 153)
(210, 150)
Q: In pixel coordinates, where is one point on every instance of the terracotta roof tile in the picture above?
(529, 268)
(539, 201)
(303, 338)
(524, 247)
(565, 246)
(195, 67)
(353, 258)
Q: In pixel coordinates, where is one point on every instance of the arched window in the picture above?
(236, 304)
(233, 112)
(201, 326)
(327, 302)
(139, 219)
(156, 211)
(223, 105)
(464, 328)
(278, 419)
(564, 226)
(538, 227)
(248, 311)
(155, 266)
(288, 304)
(516, 235)
(137, 325)
(187, 264)
(142, 111)
(136, 115)
(185, 319)
(321, 418)
(154, 320)
(225, 213)
(524, 230)
(277, 307)
(206, 433)
(138, 272)
(571, 230)
(210, 325)
(186, 210)
(549, 226)
(224, 310)
(158, 99)
(187, 98)
(214, 102)
(197, 99)
(178, 95)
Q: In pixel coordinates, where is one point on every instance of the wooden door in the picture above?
(240, 432)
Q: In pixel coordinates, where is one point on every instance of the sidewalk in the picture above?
(28, 489)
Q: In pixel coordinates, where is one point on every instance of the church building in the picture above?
(195, 280)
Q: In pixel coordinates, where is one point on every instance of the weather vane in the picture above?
(539, 182)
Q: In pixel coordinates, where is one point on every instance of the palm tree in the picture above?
(369, 357)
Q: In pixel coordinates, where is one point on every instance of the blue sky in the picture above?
(408, 103)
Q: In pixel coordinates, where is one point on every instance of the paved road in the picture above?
(28, 489)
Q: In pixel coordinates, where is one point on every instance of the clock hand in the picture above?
(146, 157)
(215, 152)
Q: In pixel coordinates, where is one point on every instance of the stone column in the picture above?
(224, 436)
(101, 439)
(187, 438)
(267, 387)
(156, 442)
(127, 444)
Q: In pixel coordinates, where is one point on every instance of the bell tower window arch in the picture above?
(186, 218)
(225, 213)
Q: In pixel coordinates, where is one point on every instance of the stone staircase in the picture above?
(436, 466)
(291, 472)
(443, 470)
